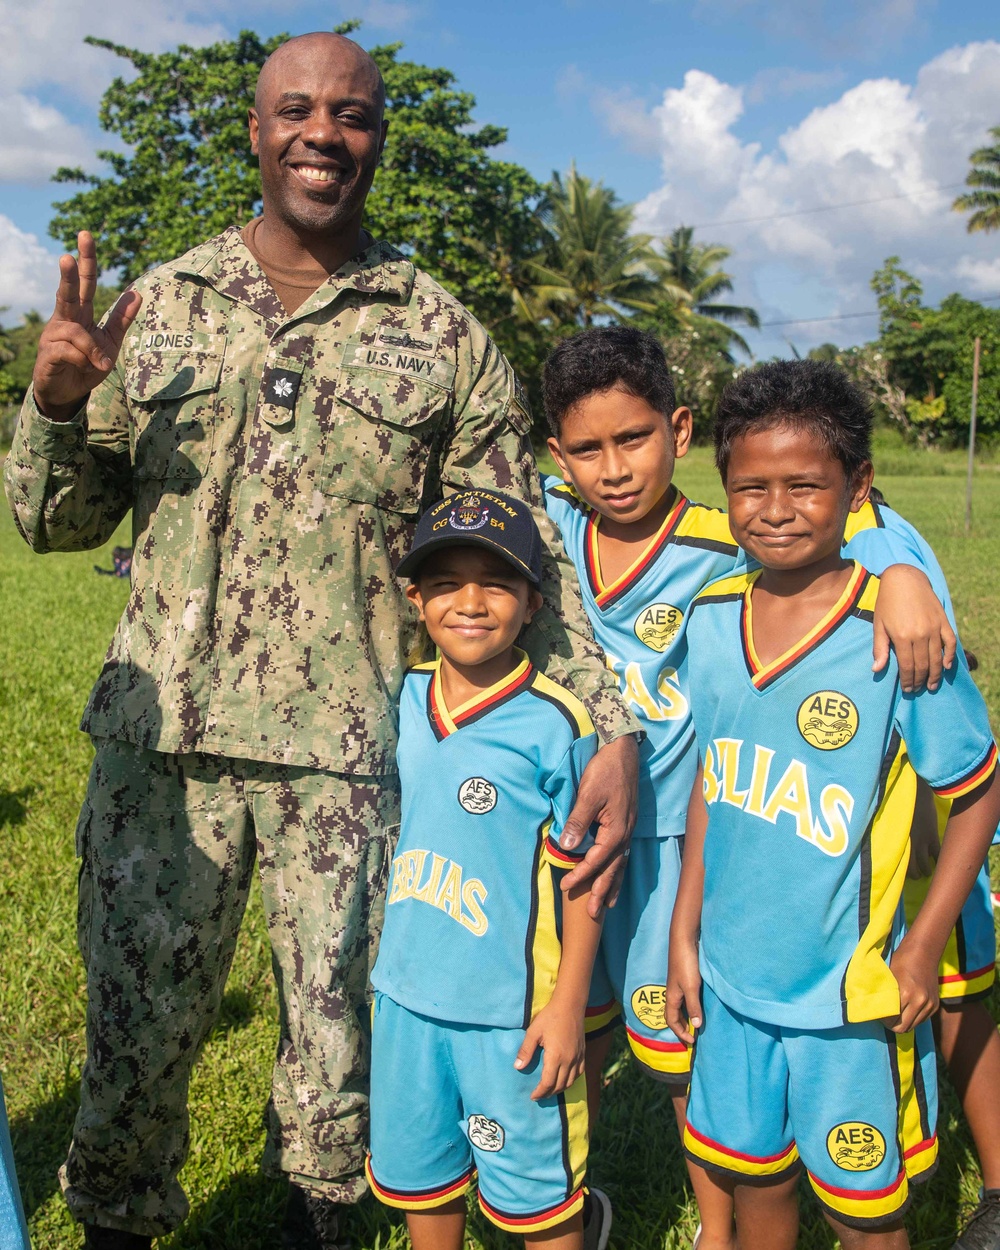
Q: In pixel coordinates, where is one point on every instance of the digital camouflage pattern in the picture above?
(275, 466)
(167, 845)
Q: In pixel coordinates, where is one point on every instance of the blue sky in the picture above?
(707, 112)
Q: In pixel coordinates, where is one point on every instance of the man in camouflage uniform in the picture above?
(275, 411)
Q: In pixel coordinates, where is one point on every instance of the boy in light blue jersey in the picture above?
(812, 992)
(472, 976)
(643, 552)
(966, 1033)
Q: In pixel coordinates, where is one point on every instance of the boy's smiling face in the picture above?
(619, 452)
(789, 496)
(473, 603)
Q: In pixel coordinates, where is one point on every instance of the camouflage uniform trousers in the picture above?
(168, 844)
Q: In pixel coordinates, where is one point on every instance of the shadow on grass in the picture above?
(246, 1215)
(243, 1215)
(14, 805)
(40, 1142)
(239, 1009)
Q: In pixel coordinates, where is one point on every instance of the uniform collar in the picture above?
(227, 264)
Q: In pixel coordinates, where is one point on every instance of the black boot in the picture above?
(97, 1238)
(312, 1223)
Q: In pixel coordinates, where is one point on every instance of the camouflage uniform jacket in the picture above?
(274, 467)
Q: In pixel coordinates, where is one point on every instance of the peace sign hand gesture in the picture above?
(74, 354)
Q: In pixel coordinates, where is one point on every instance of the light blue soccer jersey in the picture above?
(876, 537)
(809, 804)
(470, 932)
(641, 621)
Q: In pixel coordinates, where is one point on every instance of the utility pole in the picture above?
(972, 435)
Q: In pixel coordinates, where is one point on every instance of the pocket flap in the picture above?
(398, 387)
(163, 376)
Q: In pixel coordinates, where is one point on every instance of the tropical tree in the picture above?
(594, 267)
(919, 371)
(983, 202)
(691, 276)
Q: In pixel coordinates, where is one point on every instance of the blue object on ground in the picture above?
(13, 1229)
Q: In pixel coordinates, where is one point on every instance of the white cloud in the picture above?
(42, 48)
(901, 144)
(43, 40)
(29, 274)
(979, 275)
(36, 140)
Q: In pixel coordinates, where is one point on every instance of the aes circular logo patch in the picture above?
(855, 1146)
(485, 1133)
(827, 719)
(648, 1006)
(477, 795)
(657, 625)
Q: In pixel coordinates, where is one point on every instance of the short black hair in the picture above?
(800, 393)
(596, 360)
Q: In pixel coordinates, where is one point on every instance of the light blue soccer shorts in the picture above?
(446, 1101)
(857, 1104)
(631, 965)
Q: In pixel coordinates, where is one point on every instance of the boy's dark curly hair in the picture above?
(796, 392)
(598, 359)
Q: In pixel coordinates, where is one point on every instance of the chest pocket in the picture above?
(383, 428)
(172, 400)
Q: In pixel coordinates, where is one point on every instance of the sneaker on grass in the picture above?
(596, 1220)
(983, 1229)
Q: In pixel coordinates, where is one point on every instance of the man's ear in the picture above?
(254, 127)
(412, 593)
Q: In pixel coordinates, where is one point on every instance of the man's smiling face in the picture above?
(318, 130)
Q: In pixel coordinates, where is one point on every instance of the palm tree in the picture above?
(691, 277)
(595, 268)
(983, 203)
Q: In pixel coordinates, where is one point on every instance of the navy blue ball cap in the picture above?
(479, 518)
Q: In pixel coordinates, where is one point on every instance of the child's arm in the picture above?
(910, 617)
(683, 997)
(967, 839)
(559, 1027)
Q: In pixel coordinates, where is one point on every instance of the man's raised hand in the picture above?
(75, 354)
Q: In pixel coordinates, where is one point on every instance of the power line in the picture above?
(802, 321)
(826, 208)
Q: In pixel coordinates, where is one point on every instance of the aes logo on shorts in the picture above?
(827, 720)
(486, 1134)
(648, 1006)
(477, 795)
(855, 1146)
(657, 625)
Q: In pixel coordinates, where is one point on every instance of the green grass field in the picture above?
(56, 616)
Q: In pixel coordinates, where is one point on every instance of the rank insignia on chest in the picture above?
(280, 387)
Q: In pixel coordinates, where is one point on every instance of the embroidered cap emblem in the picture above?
(471, 514)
